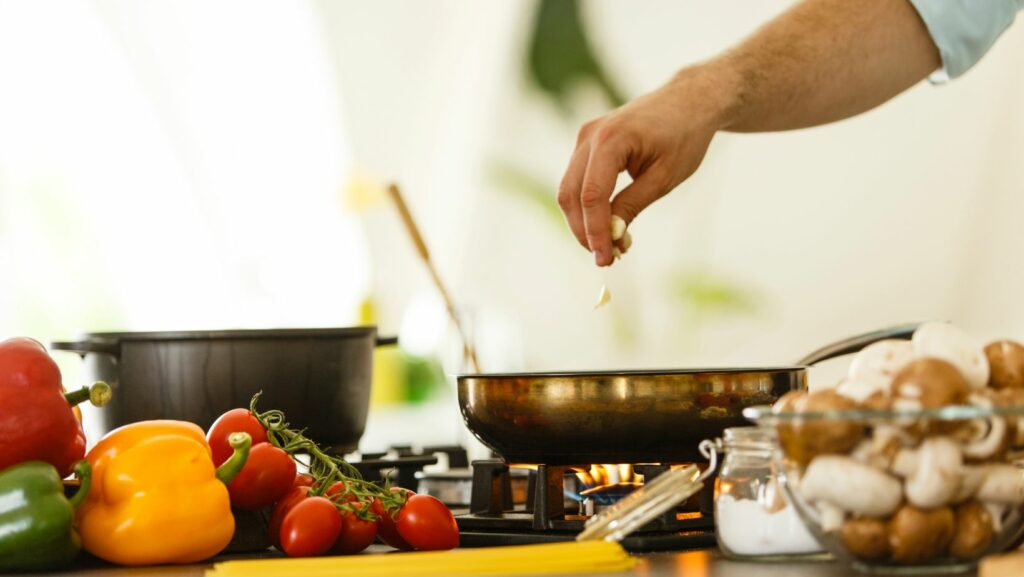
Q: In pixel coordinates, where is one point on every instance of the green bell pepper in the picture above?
(36, 518)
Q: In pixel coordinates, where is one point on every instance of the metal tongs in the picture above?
(644, 505)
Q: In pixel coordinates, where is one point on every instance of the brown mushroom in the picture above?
(917, 536)
(865, 538)
(974, 531)
(1013, 398)
(802, 440)
(928, 383)
(1006, 365)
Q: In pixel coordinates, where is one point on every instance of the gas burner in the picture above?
(558, 503)
(403, 465)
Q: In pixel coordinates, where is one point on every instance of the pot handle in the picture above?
(385, 341)
(856, 343)
(112, 348)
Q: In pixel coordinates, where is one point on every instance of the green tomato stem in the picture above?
(241, 443)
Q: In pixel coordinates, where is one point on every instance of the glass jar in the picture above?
(753, 520)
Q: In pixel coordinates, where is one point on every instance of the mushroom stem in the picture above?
(851, 486)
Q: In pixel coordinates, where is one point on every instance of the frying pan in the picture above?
(583, 418)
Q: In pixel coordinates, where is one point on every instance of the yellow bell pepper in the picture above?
(156, 496)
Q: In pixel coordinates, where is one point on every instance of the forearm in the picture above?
(821, 61)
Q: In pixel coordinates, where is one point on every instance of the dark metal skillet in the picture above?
(583, 418)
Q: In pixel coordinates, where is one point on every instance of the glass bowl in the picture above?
(904, 491)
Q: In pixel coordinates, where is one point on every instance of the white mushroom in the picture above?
(970, 479)
(871, 393)
(881, 447)
(944, 341)
(853, 487)
(879, 362)
(932, 472)
(984, 439)
(1001, 483)
(832, 517)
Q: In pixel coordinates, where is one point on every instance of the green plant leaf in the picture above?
(560, 55)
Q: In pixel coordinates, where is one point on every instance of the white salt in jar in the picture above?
(752, 518)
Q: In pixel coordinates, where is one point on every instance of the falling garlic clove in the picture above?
(603, 298)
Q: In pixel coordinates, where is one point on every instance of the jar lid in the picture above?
(756, 438)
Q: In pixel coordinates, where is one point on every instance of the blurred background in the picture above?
(198, 165)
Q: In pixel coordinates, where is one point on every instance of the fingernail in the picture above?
(597, 258)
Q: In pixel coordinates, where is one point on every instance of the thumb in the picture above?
(636, 197)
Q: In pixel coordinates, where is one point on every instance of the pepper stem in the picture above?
(240, 442)
(84, 473)
(98, 395)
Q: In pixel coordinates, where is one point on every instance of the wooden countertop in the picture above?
(703, 563)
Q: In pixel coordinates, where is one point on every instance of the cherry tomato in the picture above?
(283, 506)
(233, 421)
(339, 488)
(386, 529)
(268, 474)
(303, 480)
(427, 525)
(356, 534)
(310, 528)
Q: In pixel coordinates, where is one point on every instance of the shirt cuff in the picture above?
(964, 30)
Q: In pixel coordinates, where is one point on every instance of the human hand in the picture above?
(659, 139)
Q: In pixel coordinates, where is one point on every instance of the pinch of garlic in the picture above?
(618, 227)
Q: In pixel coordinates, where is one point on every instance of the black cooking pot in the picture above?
(320, 378)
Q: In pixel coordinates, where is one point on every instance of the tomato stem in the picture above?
(327, 469)
(241, 443)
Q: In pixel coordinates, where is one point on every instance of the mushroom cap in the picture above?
(870, 394)
(1006, 364)
(803, 440)
(928, 383)
(879, 362)
(865, 538)
(974, 531)
(946, 342)
(917, 536)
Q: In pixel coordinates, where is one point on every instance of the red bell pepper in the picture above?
(36, 420)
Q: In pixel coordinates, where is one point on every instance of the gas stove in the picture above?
(496, 503)
(558, 502)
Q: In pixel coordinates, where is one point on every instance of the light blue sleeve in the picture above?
(964, 30)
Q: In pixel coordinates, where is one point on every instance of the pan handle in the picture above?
(386, 341)
(856, 343)
(112, 348)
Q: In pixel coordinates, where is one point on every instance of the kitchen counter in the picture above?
(705, 563)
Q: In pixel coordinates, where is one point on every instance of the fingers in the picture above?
(607, 159)
(569, 192)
